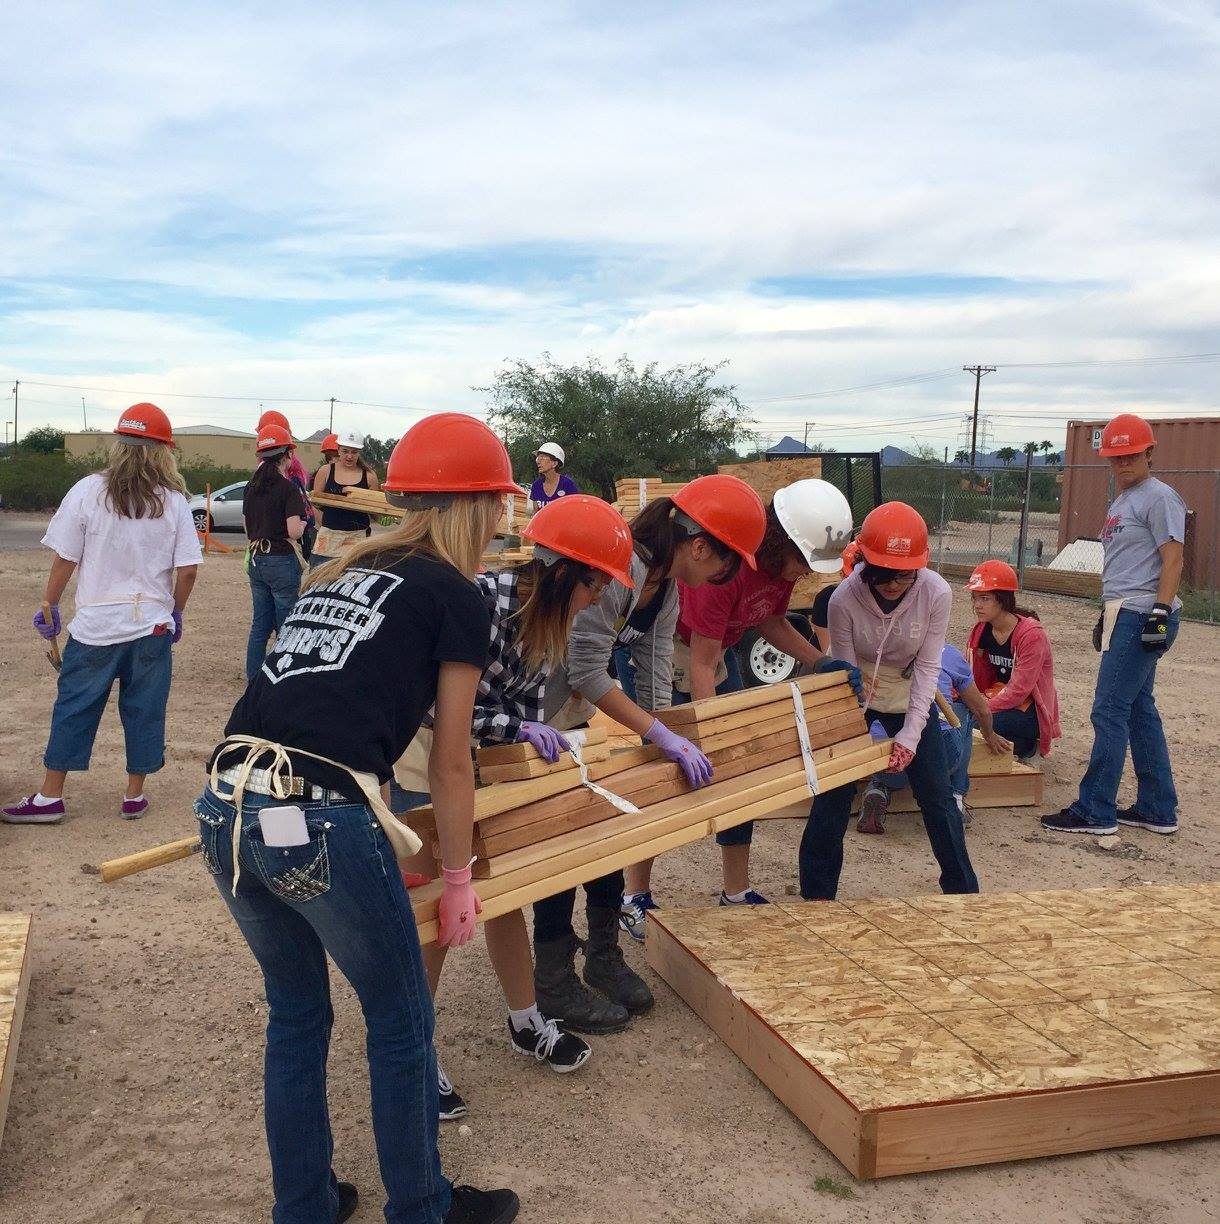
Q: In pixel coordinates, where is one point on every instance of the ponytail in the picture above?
(1008, 601)
(660, 528)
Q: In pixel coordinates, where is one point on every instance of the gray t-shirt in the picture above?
(1138, 522)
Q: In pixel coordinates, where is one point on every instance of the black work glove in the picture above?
(1154, 636)
(1097, 633)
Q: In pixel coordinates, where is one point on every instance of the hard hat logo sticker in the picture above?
(898, 546)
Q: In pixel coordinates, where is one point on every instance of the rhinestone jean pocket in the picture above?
(210, 826)
(292, 873)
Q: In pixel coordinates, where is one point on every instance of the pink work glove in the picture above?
(696, 767)
(900, 758)
(546, 739)
(458, 907)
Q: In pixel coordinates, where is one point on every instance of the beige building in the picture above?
(197, 444)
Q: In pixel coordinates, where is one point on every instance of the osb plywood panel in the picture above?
(913, 1009)
(14, 983)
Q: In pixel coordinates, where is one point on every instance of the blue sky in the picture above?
(384, 203)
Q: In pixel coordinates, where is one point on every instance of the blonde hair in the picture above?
(138, 477)
(544, 619)
(456, 534)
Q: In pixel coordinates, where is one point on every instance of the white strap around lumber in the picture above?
(802, 735)
(575, 740)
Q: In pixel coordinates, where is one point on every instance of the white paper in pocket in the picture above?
(283, 826)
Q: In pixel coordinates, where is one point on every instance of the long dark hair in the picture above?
(545, 615)
(265, 475)
(775, 548)
(1008, 601)
(657, 536)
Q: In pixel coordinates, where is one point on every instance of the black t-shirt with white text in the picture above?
(355, 666)
(268, 510)
(999, 655)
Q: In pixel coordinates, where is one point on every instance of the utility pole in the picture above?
(807, 424)
(331, 429)
(83, 416)
(16, 386)
(978, 371)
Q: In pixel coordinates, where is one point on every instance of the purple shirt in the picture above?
(538, 493)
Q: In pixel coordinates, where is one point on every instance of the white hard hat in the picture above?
(352, 438)
(817, 518)
(554, 450)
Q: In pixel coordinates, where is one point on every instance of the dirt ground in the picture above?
(138, 1085)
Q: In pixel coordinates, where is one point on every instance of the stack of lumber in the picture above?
(539, 835)
(633, 493)
(516, 762)
(374, 502)
(1036, 578)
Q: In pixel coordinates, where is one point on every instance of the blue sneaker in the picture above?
(1129, 816)
(631, 914)
(751, 898)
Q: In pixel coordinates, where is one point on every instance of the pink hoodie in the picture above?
(1033, 677)
(862, 634)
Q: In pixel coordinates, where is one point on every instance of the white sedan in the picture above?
(226, 508)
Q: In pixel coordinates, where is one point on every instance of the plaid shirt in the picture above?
(509, 694)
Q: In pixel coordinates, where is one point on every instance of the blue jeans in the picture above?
(275, 583)
(1124, 712)
(958, 745)
(1020, 726)
(143, 669)
(742, 834)
(821, 853)
(340, 894)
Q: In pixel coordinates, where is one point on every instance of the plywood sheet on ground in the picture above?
(939, 1032)
(14, 983)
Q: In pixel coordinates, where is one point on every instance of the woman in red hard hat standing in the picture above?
(1010, 657)
(890, 617)
(1143, 553)
(297, 474)
(581, 545)
(305, 853)
(127, 534)
(701, 534)
(275, 514)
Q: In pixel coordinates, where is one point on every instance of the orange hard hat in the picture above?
(1127, 434)
(271, 417)
(587, 530)
(727, 508)
(272, 438)
(329, 443)
(894, 536)
(450, 453)
(993, 576)
(851, 558)
(145, 423)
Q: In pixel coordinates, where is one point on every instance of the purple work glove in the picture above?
(48, 632)
(177, 628)
(696, 767)
(546, 739)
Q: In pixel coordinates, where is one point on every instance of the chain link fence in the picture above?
(1046, 521)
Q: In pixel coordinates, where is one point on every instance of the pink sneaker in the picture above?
(133, 809)
(29, 812)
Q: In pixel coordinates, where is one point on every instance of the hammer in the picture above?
(53, 656)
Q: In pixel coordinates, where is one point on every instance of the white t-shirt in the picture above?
(125, 566)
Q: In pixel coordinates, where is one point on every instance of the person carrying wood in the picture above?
(305, 853)
(127, 534)
(890, 618)
(703, 533)
(1011, 661)
(807, 525)
(342, 527)
(274, 513)
(581, 545)
(552, 482)
(1143, 545)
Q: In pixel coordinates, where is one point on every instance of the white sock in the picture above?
(737, 898)
(133, 798)
(40, 800)
(528, 1017)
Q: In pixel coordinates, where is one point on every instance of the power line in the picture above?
(904, 380)
(277, 399)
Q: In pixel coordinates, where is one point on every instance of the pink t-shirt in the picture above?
(726, 612)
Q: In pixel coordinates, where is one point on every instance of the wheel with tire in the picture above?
(201, 520)
(762, 663)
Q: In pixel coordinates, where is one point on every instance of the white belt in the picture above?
(260, 782)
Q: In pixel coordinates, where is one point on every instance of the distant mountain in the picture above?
(895, 456)
(992, 460)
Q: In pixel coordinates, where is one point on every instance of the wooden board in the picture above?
(15, 962)
(715, 709)
(511, 754)
(765, 476)
(1037, 578)
(539, 768)
(946, 1031)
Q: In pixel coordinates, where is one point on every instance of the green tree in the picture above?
(619, 421)
(45, 440)
(1006, 454)
(961, 456)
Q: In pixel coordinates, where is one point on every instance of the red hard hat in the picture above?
(851, 558)
(1127, 434)
(272, 438)
(271, 417)
(727, 508)
(894, 536)
(450, 453)
(145, 423)
(588, 530)
(993, 576)
(329, 443)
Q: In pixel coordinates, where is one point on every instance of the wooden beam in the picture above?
(512, 754)
(539, 768)
(748, 699)
(15, 967)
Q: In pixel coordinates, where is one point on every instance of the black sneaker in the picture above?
(563, 1052)
(471, 1206)
(348, 1198)
(452, 1105)
(1068, 821)
(1129, 816)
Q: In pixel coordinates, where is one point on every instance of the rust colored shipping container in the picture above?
(1187, 458)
